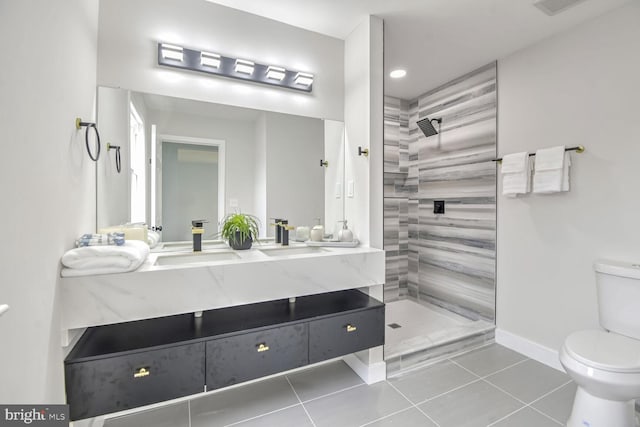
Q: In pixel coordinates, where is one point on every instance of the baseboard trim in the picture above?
(370, 374)
(529, 348)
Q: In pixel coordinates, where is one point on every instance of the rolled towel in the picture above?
(153, 237)
(551, 170)
(104, 259)
(516, 174)
(115, 238)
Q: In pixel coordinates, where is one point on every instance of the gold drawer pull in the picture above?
(142, 372)
(262, 347)
(351, 328)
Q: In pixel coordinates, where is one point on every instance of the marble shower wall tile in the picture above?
(396, 164)
(450, 257)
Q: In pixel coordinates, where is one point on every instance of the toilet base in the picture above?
(591, 411)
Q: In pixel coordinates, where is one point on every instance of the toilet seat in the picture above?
(603, 350)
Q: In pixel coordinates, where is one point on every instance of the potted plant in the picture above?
(239, 230)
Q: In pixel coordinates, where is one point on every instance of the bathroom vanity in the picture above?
(264, 311)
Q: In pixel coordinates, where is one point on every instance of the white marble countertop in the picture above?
(252, 276)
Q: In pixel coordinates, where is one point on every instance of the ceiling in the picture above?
(434, 40)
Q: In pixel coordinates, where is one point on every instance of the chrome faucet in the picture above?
(197, 230)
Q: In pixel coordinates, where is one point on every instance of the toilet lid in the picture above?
(604, 350)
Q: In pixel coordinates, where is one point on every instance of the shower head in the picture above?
(426, 126)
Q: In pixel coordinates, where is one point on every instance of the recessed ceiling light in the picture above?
(398, 74)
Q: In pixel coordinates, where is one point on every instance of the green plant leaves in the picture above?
(246, 225)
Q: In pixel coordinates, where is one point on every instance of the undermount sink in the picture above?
(196, 258)
(284, 251)
(189, 245)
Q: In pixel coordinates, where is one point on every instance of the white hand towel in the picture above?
(105, 259)
(516, 173)
(551, 170)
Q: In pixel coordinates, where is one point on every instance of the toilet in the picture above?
(605, 363)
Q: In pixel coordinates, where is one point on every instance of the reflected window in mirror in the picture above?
(138, 166)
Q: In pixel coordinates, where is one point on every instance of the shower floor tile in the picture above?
(424, 325)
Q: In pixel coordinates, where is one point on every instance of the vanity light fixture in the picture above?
(304, 79)
(243, 66)
(207, 62)
(171, 51)
(210, 59)
(276, 73)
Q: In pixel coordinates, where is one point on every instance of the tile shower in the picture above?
(440, 277)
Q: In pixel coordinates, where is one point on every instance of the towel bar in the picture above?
(577, 149)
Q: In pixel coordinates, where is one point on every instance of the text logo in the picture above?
(34, 415)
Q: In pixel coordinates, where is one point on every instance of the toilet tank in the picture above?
(618, 286)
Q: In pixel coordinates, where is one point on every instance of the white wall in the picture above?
(130, 31)
(295, 180)
(363, 117)
(364, 128)
(47, 180)
(580, 87)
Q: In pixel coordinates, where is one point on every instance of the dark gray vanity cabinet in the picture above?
(257, 354)
(344, 334)
(111, 384)
(126, 365)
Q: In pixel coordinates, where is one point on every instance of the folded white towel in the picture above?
(551, 170)
(550, 158)
(516, 174)
(104, 259)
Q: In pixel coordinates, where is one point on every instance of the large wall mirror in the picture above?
(183, 159)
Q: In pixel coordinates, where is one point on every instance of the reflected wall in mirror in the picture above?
(185, 159)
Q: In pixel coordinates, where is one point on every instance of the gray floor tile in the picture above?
(166, 416)
(488, 360)
(290, 417)
(241, 403)
(528, 380)
(475, 405)
(356, 406)
(425, 383)
(559, 403)
(323, 379)
(409, 418)
(526, 417)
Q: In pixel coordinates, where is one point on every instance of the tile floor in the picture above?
(489, 386)
(424, 325)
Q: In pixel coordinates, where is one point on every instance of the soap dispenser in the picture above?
(317, 232)
(345, 235)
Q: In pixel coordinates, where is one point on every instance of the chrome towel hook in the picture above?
(88, 125)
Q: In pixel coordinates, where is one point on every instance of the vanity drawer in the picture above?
(252, 355)
(112, 384)
(344, 334)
